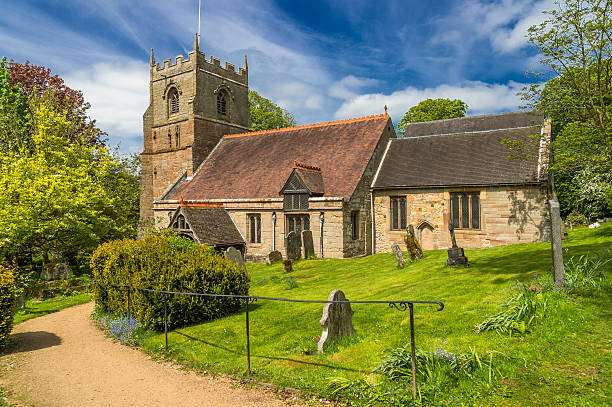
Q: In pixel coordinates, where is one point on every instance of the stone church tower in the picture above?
(193, 104)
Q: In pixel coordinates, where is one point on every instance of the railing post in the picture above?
(247, 337)
(412, 348)
(166, 320)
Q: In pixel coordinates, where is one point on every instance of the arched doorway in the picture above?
(426, 236)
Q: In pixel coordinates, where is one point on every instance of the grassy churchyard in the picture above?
(565, 358)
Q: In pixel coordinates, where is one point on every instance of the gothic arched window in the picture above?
(221, 103)
(173, 101)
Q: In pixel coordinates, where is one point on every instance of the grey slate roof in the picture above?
(211, 226)
(465, 151)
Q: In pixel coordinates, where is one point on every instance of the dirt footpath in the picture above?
(63, 360)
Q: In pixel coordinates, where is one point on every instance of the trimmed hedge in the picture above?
(162, 261)
(7, 305)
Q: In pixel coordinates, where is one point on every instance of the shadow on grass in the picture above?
(31, 341)
(513, 263)
(235, 352)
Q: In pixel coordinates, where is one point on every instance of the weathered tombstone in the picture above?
(308, 244)
(274, 256)
(56, 271)
(412, 244)
(287, 266)
(337, 320)
(234, 255)
(456, 256)
(294, 246)
(556, 244)
(399, 256)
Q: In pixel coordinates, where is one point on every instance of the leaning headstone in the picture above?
(56, 271)
(456, 256)
(399, 256)
(337, 320)
(294, 246)
(287, 266)
(274, 256)
(234, 255)
(308, 244)
(412, 244)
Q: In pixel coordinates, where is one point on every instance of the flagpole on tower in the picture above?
(199, 8)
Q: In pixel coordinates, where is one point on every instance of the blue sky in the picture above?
(321, 60)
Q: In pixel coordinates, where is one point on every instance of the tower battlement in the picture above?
(197, 59)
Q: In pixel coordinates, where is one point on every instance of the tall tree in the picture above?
(34, 80)
(575, 44)
(265, 115)
(14, 120)
(54, 197)
(432, 109)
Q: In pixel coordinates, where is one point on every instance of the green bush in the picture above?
(584, 274)
(7, 305)
(165, 262)
(519, 312)
(576, 218)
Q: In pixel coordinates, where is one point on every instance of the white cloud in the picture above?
(349, 86)
(482, 98)
(504, 24)
(118, 94)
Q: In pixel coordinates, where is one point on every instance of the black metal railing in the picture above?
(400, 305)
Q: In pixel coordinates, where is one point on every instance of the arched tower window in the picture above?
(221, 103)
(173, 101)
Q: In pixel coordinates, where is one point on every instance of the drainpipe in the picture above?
(273, 231)
(321, 220)
(372, 220)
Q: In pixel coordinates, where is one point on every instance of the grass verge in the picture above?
(564, 359)
(38, 307)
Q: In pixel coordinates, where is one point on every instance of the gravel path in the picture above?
(62, 359)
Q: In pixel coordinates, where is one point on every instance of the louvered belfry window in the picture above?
(221, 104)
(465, 210)
(174, 101)
(295, 202)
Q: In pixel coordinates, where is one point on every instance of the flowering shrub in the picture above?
(121, 328)
(445, 377)
(165, 262)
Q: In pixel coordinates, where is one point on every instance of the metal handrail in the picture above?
(400, 305)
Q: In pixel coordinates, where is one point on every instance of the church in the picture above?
(353, 183)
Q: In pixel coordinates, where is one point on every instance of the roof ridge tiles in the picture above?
(301, 166)
(306, 126)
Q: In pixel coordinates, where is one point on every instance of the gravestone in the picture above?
(456, 256)
(274, 256)
(399, 256)
(234, 255)
(294, 246)
(412, 244)
(337, 320)
(308, 244)
(287, 266)
(56, 271)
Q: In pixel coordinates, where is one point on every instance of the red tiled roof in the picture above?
(257, 164)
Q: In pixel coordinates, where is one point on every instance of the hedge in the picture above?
(7, 305)
(169, 263)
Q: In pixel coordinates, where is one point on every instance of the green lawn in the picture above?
(567, 360)
(37, 307)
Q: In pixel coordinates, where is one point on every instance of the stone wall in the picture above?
(332, 226)
(360, 202)
(508, 214)
(239, 210)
